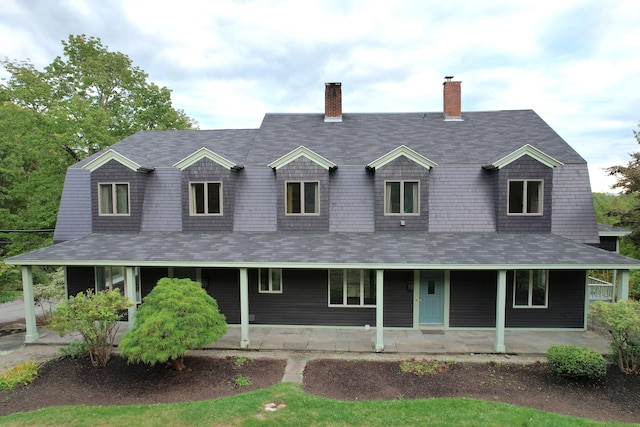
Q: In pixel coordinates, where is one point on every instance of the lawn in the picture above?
(301, 409)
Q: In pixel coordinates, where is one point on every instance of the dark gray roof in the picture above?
(358, 139)
(609, 230)
(359, 250)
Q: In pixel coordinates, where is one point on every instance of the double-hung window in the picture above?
(356, 288)
(525, 197)
(109, 278)
(401, 198)
(270, 281)
(530, 288)
(113, 198)
(302, 198)
(205, 198)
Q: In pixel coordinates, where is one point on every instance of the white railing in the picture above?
(599, 290)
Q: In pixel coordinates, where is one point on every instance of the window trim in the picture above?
(192, 201)
(270, 289)
(525, 196)
(345, 289)
(402, 183)
(114, 207)
(302, 183)
(530, 291)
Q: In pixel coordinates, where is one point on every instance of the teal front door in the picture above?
(431, 297)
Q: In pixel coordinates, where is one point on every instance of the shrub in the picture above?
(576, 362)
(23, 373)
(96, 317)
(50, 292)
(622, 319)
(176, 316)
(74, 350)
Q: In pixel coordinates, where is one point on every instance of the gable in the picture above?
(299, 152)
(525, 150)
(405, 151)
(110, 155)
(205, 153)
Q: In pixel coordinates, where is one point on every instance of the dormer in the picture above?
(299, 152)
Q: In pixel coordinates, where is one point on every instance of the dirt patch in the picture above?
(615, 398)
(76, 382)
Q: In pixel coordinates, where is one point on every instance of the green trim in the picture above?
(528, 150)
(302, 151)
(109, 155)
(205, 153)
(320, 265)
(405, 151)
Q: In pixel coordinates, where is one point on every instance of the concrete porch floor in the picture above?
(361, 340)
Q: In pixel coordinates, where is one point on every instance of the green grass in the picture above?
(248, 410)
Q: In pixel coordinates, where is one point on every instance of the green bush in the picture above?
(576, 362)
(176, 316)
(24, 373)
(96, 317)
(622, 319)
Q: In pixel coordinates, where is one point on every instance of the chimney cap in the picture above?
(333, 84)
(448, 78)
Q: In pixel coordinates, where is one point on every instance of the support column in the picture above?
(379, 310)
(500, 311)
(244, 308)
(623, 285)
(130, 286)
(29, 306)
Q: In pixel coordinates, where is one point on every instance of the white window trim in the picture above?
(344, 290)
(114, 198)
(530, 297)
(525, 197)
(109, 286)
(302, 182)
(192, 201)
(270, 290)
(401, 213)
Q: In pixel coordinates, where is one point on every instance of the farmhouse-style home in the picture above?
(437, 220)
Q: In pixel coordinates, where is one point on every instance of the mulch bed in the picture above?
(615, 398)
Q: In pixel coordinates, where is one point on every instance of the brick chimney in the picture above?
(333, 102)
(452, 98)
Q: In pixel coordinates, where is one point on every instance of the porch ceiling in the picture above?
(468, 251)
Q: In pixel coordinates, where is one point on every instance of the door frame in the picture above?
(416, 302)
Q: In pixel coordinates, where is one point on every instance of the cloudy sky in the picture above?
(228, 63)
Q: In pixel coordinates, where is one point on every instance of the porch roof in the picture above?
(400, 250)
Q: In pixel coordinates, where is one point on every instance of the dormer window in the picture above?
(205, 198)
(302, 198)
(525, 197)
(401, 198)
(114, 198)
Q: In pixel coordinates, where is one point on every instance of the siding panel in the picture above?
(473, 299)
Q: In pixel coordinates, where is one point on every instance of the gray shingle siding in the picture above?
(74, 215)
(162, 206)
(352, 200)
(255, 209)
(206, 170)
(573, 212)
(521, 169)
(461, 199)
(401, 169)
(114, 172)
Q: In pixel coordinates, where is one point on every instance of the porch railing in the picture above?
(599, 290)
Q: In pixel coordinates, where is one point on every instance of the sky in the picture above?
(574, 62)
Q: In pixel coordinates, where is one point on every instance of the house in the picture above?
(442, 220)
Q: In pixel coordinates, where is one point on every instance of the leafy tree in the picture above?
(96, 317)
(177, 315)
(623, 321)
(50, 292)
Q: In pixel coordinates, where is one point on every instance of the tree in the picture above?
(96, 317)
(177, 315)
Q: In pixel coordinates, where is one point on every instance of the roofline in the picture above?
(529, 150)
(614, 233)
(111, 154)
(405, 151)
(205, 153)
(320, 265)
(302, 151)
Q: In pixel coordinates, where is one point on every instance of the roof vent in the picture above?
(333, 102)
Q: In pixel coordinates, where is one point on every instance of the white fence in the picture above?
(599, 290)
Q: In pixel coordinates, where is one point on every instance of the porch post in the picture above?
(500, 311)
(623, 285)
(379, 310)
(130, 286)
(29, 306)
(244, 308)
